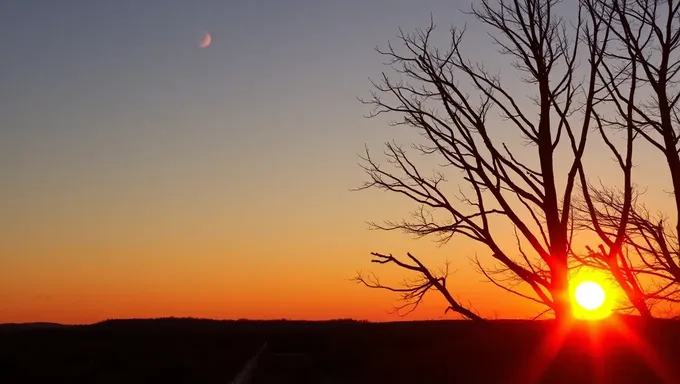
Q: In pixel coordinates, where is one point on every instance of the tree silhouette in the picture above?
(645, 251)
(450, 100)
(413, 290)
(643, 57)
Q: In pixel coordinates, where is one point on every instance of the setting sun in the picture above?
(592, 296)
(589, 295)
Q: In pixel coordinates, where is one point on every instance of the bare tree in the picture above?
(643, 55)
(614, 81)
(607, 212)
(644, 267)
(413, 290)
(451, 101)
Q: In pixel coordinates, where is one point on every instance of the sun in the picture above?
(591, 298)
(589, 295)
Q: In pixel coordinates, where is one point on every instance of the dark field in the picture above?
(204, 351)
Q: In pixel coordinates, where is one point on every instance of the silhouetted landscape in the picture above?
(176, 158)
(341, 351)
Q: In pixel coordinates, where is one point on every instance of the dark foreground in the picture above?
(204, 351)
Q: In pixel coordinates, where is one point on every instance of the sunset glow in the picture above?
(139, 170)
(344, 191)
(589, 295)
(593, 296)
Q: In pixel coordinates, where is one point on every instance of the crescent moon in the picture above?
(205, 41)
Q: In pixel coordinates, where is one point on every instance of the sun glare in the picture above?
(592, 299)
(589, 295)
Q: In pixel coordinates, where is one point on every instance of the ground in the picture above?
(620, 350)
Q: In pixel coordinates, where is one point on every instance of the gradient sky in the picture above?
(143, 176)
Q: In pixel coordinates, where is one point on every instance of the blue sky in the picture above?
(107, 96)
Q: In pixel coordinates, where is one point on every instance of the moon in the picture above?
(205, 41)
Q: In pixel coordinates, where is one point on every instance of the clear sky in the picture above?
(144, 176)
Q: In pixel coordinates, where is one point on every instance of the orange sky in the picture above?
(143, 176)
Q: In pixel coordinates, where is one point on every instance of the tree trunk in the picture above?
(671, 152)
(631, 288)
(642, 308)
(560, 290)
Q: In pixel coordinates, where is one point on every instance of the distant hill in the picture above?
(228, 321)
(172, 324)
(5, 327)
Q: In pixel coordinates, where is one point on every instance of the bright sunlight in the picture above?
(591, 298)
(589, 295)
